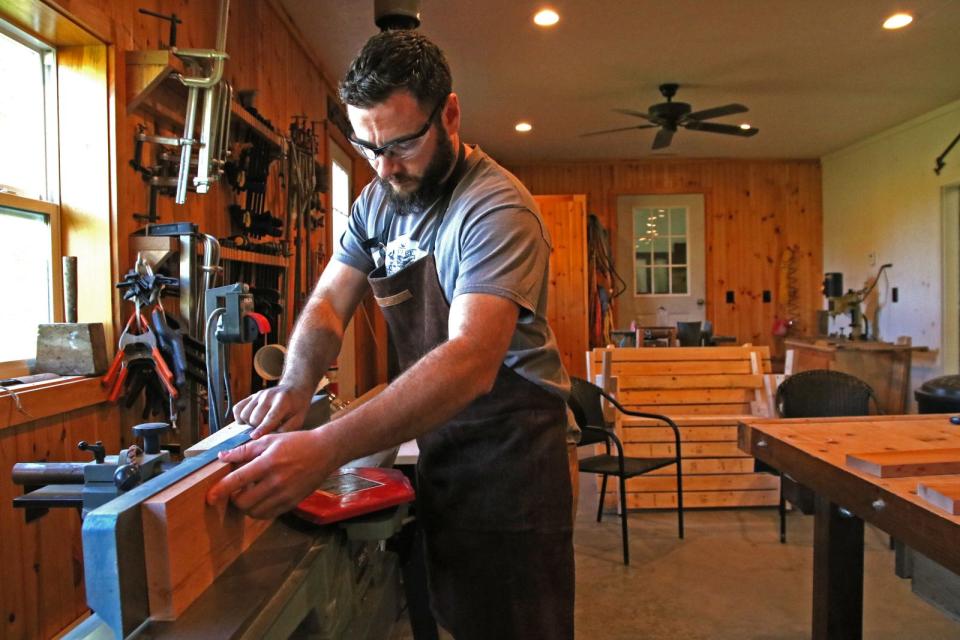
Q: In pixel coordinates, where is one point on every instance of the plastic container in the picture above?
(940, 395)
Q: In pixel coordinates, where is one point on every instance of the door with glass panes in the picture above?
(660, 256)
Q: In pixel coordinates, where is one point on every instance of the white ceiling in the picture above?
(817, 75)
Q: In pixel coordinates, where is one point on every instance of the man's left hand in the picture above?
(276, 472)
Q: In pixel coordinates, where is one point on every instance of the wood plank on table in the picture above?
(941, 493)
(188, 543)
(899, 464)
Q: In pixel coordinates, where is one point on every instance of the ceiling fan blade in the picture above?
(663, 139)
(728, 129)
(633, 112)
(639, 126)
(716, 112)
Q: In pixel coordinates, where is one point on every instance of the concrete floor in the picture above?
(730, 578)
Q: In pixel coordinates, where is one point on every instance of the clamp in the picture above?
(134, 347)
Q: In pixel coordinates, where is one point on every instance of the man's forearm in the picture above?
(431, 392)
(313, 347)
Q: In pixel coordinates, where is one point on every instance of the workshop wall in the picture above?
(41, 585)
(755, 211)
(881, 196)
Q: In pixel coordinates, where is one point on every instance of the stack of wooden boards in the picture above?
(706, 391)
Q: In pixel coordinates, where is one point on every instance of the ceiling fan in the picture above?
(669, 115)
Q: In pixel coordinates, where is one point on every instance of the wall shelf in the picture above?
(153, 89)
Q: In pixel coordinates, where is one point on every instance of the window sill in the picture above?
(48, 398)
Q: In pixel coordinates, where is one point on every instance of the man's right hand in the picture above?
(280, 408)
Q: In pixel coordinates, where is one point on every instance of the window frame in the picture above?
(670, 264)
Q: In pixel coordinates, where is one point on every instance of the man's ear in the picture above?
(450, 115)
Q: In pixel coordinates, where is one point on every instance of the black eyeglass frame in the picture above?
(365, 146)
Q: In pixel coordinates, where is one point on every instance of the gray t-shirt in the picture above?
(491, 240)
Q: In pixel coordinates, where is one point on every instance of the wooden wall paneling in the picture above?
(567, 312)
(41, 590)
(753, 209)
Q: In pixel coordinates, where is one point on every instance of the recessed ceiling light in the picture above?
(523, 127)
(546, 18)
(745, 126)
(897, 21)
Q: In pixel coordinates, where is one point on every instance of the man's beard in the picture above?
(430, 183)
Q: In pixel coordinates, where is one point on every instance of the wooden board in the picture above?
(683, 367)
(673, 381)
(899, 464)
(703, 499)
(189, 543)
(705, 482)
(942, 493)
(211, 441)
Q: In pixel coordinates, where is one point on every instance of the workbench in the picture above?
(813, 451)
(882, 365)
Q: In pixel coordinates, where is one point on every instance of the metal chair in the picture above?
(817, 393)
(586, 403)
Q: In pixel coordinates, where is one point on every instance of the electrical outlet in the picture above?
(872, 258)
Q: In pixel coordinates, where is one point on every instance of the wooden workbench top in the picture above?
(814, 452)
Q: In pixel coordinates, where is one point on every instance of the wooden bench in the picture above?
(706, 391)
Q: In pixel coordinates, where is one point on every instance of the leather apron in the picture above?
(493, 487)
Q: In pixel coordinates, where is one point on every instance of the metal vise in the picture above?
(88, 485)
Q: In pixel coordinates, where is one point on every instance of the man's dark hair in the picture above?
(397, 60)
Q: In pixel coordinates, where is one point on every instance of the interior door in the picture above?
(660, 255)
(565, 217)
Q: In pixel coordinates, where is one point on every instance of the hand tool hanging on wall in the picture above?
(205, 68)
(250, 174)
(149, 360)
(303, 197)
(210, 61)
(172, 19)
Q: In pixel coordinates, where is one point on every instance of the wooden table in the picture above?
(883, 365)
(813, 451)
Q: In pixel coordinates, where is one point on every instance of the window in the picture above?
(340, 195)
(660, 251)
(29, 201)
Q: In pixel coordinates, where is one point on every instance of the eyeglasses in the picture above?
(402, 148)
